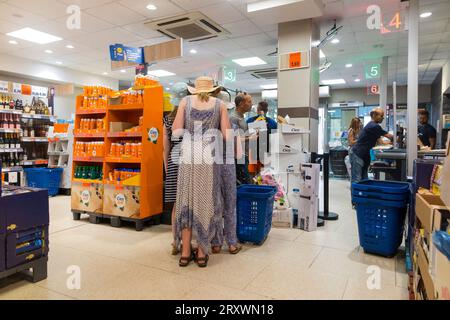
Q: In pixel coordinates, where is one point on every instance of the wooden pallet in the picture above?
(116, 221)
(39, 267)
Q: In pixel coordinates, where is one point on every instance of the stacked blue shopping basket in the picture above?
(254, 212)
(381, 208)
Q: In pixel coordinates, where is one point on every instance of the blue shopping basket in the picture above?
(44, 178)
(254, 212)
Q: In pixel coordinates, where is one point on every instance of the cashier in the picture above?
(427, 133)
(368, 138)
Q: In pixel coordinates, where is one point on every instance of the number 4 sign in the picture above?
(373, 71)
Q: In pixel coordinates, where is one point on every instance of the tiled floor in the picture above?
(291, 264)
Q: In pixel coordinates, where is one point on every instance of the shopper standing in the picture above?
(427, 133)
(243, 104)
(228, 188)
(360, 152)
(198, 206)
(171, 154)
(353, 134)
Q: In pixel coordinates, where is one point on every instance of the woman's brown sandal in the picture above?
(236, 250)
(216, 249)
(184, 261)
(202, 262)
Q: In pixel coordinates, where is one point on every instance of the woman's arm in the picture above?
(225, 125)
(351, 138)
(166, 146)
(178, 124)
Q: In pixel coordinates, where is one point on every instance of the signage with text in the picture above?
(122, 53)
(294, 60)
(373, 90)
(373, 71)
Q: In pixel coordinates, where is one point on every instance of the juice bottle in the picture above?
(134, 150)
(92, 125)
(120, 150)
(128, 149)
(139, 150)
(100, 125)
(112, 151)
(116, 175)
(140, 99)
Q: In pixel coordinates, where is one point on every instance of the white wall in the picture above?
(65, 105)
(46, 72)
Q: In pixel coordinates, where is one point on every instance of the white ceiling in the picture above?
(106, 22)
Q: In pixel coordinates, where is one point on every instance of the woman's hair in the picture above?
(204, 96)
(355, 124)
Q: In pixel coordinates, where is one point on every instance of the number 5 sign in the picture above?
(373, 71)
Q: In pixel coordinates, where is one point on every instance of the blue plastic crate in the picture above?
(44, 178)
(254, 212)
(390, 187)
(380, 225)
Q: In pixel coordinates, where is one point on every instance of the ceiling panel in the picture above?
(223, 13)
(116, 14)
(164, 8)
(89, 24)
(85, 4)
(195, 4)
(51, 9)
(242, 28)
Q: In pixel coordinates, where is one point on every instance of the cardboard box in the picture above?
(311, 176)
(425, 208)
(445, 178)
(441, 220)
(424, 268)
(442, 275)
(119, 126)
(122, 201)
(283, 218)
(308, 212)
(87, 197)
(287, 128)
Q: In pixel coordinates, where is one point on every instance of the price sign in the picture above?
(373, 71)
(373, 90)
(229, 75)
(295, 60)
(4, 86)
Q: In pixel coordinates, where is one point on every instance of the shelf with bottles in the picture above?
(10, 121)
(119, 174)
(92, 127)
(11, 159)
(35, 139)
(36, 162)
(91, 173)
(39, 116)
(10, 142)
(9, 104)
(94, 100)
(127, 100)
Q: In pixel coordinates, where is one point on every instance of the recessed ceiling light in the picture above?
(105, 73)
(193, 51)
(247, 62)
(335, 41)
(315, 43)
(333, 81)
(348, 65)
(151, 7)
(160, 73)
(321, 54)
(123, 71)
(48, 51)
(58, 62)
(426, 15)
(69, 46)
(357, 80)
(269, 86)
(171, 84)
(167, 89)
(13, 42)
(33, 35)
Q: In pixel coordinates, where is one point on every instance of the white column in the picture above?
(384, 87)
(413, 82)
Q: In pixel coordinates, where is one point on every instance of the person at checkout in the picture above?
(426, 132)
(367, 139)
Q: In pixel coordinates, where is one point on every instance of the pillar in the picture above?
(298, 89)
(384, 87)
(413, 82)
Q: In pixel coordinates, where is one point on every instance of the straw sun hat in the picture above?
(203, 85)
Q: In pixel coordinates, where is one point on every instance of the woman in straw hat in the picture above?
(199, 202)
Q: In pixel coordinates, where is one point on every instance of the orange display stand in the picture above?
(136, 199)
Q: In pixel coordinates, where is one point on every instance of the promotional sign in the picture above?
(294, 60)
(373, 71)
(17, 88)
(4, 86)
(122, 53)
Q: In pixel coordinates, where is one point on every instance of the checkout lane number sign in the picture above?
(373, 71)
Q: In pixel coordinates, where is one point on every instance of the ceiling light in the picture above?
(321, 54)
(167, 89)
(426, 15)
(33, 35)
(123, 71)
(13, 42)
(105, 73)
(333, 81)
(193, 51)
(357, 80)
(269, 86)
(69, 46)
(269, 94)
(268, 4)
(48, 51)
(58, 62)
(335, 41)
(151, 7)
(348, 65)
(315, 43)
(160, 73)
(247, 62)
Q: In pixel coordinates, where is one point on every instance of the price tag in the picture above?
(4, 87)
(295, 60)
(17, 88)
